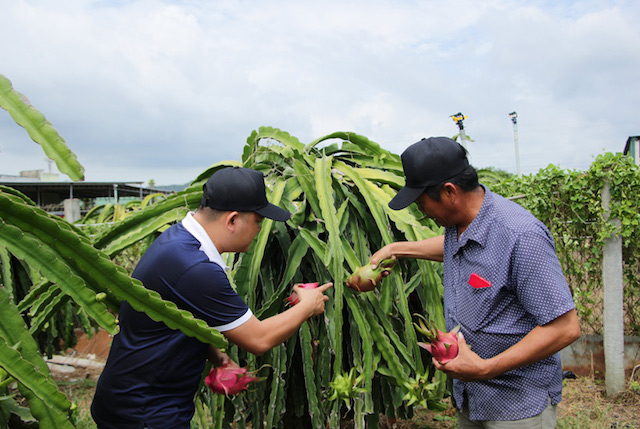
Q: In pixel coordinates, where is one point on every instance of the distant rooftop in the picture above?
(43, 193)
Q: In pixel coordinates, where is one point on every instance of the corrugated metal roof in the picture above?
(57, 192)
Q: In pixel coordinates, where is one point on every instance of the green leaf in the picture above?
(40, 130)
(315, 410)
(82, 271)
(145, 222)
(19, 368)
(14, 331)
(51, 265)
(334, 249)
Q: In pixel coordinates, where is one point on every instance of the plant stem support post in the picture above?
(514, 118)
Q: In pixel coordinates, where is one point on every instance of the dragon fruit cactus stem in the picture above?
(365, 278)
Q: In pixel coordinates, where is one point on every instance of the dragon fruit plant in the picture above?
(421, 391)
(443, 346)
(346, 386)
(293, 298)
(228, 380)
(365, 278)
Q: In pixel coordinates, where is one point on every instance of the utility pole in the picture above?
(514, 119)
(458, 118)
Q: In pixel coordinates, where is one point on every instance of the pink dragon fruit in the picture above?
(443, 346)
(293, 298)
(365, 279)
(228, 380)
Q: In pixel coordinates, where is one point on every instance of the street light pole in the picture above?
(514, 119)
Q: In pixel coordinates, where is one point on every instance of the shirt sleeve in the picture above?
(539, 282)
(205, 291)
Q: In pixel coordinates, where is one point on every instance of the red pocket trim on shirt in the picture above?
(478, 282)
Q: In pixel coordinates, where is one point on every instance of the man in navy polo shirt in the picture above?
(502, 284)
(152, 372)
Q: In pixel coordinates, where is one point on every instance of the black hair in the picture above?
(209, 213)
(467, 180)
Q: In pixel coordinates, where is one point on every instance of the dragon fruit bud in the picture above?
(443, 346)
(365, 278)
(293, 298)
(227, 380)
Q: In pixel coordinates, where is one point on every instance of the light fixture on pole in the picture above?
(458, 118)
(514, 119)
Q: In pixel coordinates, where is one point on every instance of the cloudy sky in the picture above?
(151, 89)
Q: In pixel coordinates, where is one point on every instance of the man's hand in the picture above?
(219, 358)
(384, 253)
(467, 366)
(313, 299)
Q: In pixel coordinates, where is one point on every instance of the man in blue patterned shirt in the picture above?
(503, 285)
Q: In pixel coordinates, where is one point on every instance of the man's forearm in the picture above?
(280, 327)
(259, 336)
(430, 248)
(540, 343)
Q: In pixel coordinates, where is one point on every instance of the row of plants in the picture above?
(338, 194)
(357, 361)
(53, 276)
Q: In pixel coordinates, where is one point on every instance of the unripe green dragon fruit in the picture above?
(365, 278)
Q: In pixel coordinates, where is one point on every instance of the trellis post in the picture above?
(613, 331)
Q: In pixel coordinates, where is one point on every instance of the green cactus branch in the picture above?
(40, 130)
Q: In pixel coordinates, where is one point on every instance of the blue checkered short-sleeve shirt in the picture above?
(509, 256)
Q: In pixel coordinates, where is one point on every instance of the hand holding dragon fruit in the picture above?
(293, 298)
(365, 278)
(229, 380)
(443, 346)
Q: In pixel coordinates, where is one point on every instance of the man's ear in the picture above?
(231, 219)
(449, 191)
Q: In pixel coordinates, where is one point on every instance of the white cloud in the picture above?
(162, 89)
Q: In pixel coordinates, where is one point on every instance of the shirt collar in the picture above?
(206, 245)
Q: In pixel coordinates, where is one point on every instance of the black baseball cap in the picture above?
(240, 189)
(427, 163)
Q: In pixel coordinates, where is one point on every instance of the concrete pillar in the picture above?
(613, 333)
(72, 209)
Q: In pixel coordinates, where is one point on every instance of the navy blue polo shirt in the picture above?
(152, 372)
(502, 278)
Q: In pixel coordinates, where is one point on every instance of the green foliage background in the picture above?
(570, 204)
(56, 277)
(338, 194)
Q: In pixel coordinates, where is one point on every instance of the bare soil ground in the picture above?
(584, 405)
